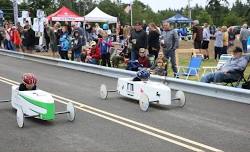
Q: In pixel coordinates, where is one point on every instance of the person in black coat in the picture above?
(29, 38)
(138, 39)
(153, 40)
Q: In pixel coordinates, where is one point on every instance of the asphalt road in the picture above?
(205, 123)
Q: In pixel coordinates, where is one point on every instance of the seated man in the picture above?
(29, 82)
(231, 70)
(142, 75)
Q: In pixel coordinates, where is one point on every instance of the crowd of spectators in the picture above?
(140, 46)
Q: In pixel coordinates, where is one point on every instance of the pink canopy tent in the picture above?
(65, 14)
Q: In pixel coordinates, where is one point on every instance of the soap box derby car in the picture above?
(37, 104)
(146, 92)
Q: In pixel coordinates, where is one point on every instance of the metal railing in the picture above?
(211, 90)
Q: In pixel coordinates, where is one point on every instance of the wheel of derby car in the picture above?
(144, 102)
(20, 118)
(71, 109)
(103, 91)
(182, 99)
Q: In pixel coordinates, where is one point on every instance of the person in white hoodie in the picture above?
(205, 41)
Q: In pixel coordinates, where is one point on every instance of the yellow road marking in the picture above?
(82, 106)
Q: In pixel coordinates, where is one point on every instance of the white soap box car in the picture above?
(146, 92)
(38, 104)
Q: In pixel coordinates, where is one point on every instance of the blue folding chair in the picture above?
(192, 69)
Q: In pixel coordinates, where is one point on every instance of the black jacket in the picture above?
(141, 39)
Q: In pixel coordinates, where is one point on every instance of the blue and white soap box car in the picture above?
(146, 92)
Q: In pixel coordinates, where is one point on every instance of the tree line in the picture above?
(216, 12)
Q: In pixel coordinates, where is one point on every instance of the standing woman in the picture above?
(225, 40)
(153, 40)
(64, 43)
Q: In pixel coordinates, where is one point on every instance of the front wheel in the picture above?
(144, 102)
(20, 118)
(71, 112)
(103, 91)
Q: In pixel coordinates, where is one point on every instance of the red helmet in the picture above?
(29, 78)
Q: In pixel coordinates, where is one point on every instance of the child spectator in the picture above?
(64, 44)
(93, 56)
(77, 46)
(159, 69)
(143, 59)
(105, 44)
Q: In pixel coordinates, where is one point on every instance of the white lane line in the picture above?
(135, 128)
(131, 121)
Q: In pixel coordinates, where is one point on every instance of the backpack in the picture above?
(133, 66)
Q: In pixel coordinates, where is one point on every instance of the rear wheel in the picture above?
(181, 98)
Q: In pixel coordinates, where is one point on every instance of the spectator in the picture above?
(197, 34)
(244, 34)
(205, 41)
(138, 39)
(54, 35)
(159, 69)
(105, 44)
(160, 57)
(7, 37)
(14, 36)
(1, 37)
(88, 29)
(153, 40)
(218, 44)
(46, 36)
(231, 70)
(94, 54)
(77, 46)
(170, 42)
(64, 43)
(20, 30)
(225, 39)
(231, 37)
(81, 32)
(29, 38)
(143, 59)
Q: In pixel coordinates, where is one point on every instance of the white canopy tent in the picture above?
(96, 15)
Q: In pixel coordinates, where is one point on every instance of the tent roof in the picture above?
(178, 18)
(65, 14)
(96, 15)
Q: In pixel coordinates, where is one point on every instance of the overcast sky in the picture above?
(163, 4)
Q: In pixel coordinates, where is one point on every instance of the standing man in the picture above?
(138, 39)
(170, 42)
(244, 34)
(197, 35)
(205, 42)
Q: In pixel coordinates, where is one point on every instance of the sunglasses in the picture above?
(141, 52)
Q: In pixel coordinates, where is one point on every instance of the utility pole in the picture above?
(15, 11)
(189, 11)
(131, 11)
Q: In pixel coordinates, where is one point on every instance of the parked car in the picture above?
(236, 29)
